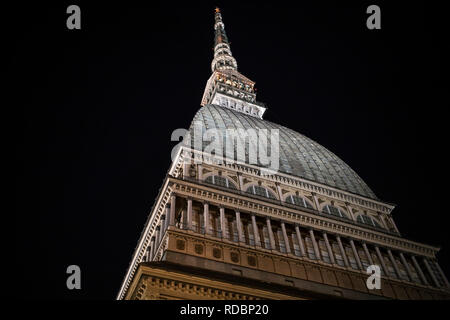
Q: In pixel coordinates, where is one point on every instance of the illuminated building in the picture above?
(228, 230)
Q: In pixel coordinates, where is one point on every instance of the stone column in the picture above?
(330, 252)
(173, 199)
(280, 194)
(189, 214)
(315, 246)
(419, 271)
(255, 231)
(222, 222)
(239, 227)
(383, 221)
(383, 265)
(300, 241)
(163, 223)
(355, 253)
(344, 254)
(152, 248)
(167, 217)
(200, 172)
(408, 270)
(147, 254)
(271, 237)
(161, 231)
(185, 169)
(442, 274)
(206, 217)
(350, 212)
(425, 261)
(316, 201)
(366, 250)
(285, 237)
(157, 234)
(241, 182)
(391, 257)
(183, 219)
(391, 221)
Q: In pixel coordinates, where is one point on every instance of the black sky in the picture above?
(94, 110)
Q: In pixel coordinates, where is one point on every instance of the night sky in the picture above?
(94, 110)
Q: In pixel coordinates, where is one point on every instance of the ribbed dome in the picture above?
(299, 155)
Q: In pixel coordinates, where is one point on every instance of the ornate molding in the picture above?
(281, 178)
(277, 212)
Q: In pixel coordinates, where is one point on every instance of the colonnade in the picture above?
(293, 239)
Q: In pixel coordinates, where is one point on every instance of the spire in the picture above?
(223, 58)
(220, 35)
(227, 87)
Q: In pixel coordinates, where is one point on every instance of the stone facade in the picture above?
(224, 229)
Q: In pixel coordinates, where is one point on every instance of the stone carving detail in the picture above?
(198, 248)
(180, 289)
(141, 291)
(192, 171)
(180, 244)
(234, 257)
(217, 253)
(251, 261)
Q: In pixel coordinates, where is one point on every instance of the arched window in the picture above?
(368, 221)
(221, 181)
(299, 201)
(334, 211)
(260, 191)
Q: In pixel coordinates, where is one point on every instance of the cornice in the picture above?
(278, 212)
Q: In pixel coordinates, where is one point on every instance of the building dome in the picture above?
(299, 155)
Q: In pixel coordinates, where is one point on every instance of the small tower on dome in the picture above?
(227, 87)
